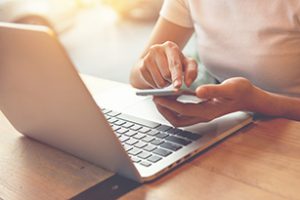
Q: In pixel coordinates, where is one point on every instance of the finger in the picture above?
(215, 91)
(151, 66)
(146, 76)
(175, 65)
(162, 63)
(190, 71)
(160, 82)
(178, 120)
(177, 107)
(204, 112)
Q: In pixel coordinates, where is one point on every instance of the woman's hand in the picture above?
(232, 95)
(164, 64)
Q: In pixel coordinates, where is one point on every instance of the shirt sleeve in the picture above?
(177, 12)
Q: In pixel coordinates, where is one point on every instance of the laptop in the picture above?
(44, 98)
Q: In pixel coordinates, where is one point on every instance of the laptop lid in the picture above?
(44, 98)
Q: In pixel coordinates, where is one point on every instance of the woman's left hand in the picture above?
(232, 95)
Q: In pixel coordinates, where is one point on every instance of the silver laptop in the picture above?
(44, 98)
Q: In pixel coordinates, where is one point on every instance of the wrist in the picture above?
(267, 103)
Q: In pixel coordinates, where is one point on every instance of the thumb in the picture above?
(211, 91)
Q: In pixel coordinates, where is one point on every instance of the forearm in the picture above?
(277, 105)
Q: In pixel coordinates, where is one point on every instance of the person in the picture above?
(251, 47)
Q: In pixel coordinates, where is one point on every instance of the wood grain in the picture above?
(31, 170)
(261, 161)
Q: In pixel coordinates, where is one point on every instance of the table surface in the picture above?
(261, 161)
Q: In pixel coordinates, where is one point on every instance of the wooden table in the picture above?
(261, 161)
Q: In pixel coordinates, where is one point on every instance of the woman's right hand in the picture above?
(165, 64)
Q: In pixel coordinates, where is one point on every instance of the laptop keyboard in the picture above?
(147, 142)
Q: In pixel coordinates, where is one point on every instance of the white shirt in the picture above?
(255, 39)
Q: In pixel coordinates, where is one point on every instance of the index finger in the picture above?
(175, 65)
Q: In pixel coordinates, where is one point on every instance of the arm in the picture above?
(277, 105)
(165, 44)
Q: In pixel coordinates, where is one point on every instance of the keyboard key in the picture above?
(130, 133)
(144, 130)
(139, 136)
(140, 144)
(173, 131)
(148, 138)
(135, 159)
(137, 120)
(112, 113)
(162, 152)
(119, 122)
(144, 155)
(189, 135)
(149, 147)
(171, 146)
(145, 163)
(157, 142)
(112, 120)
(127, 147)
(127, 125)
(163, 128)
(115, 128)
(178, 140)
(118, 135)
(135, 127)
(162, 135)
(153, 132)
(123, 138)
(154, 158)
(105, 111)
(134, 151)
(131, 141)
(122, 131)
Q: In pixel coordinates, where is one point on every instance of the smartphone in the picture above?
(184, 95)
(168, 91)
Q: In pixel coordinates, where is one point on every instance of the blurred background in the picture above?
(104, 38)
